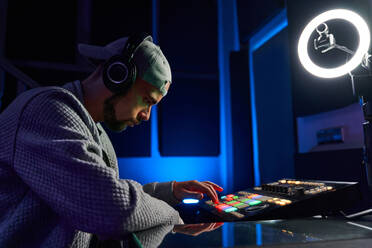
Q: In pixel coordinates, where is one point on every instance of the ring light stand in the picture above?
(361, 83)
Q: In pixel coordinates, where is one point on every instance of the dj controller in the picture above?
(284, 199)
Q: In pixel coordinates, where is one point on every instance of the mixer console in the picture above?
(286, 198)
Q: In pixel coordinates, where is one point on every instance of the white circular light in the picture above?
(364, 41)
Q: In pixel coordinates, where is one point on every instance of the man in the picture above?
(59, 180)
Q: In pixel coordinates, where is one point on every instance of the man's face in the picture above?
(132, 108)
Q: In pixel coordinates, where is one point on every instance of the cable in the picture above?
(136, 241)
(358, 214)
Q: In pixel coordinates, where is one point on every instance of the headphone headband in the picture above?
(133, 43)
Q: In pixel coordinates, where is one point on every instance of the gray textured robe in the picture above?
(59, 177)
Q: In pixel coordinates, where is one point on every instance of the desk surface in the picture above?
(309, 232)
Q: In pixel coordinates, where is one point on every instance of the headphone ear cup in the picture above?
(119, 74)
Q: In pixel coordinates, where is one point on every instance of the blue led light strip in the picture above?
(154, 133)
(228, 40)
(277, 24)
(258, 234)
(155, 21)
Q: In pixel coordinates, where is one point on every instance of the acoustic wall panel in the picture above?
(273, 98)
(189, 118)
(241, 120)
(188, 35)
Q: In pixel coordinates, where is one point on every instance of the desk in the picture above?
(308, 232)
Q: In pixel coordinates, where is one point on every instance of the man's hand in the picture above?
(195, 189)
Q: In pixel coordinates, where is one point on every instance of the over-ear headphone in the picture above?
(119, 71)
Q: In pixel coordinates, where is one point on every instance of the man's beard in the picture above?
(109, 115)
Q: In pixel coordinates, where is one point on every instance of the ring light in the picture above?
(364, 42)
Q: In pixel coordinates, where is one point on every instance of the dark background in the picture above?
(40, 38)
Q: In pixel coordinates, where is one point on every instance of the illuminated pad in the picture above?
(277, 199)
(227, 210)
(254, 202)
(210, 203)
(257, 197)
(252, 196)
(237, 214)
(241, 205)
(262, 198)
(222, 206)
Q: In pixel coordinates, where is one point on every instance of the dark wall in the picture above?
(189, 117)
(188, 35)
(241, 120)
(115, 19)
(311, 94)
(41, 30)
(273, 93)
(252, 15)
(42, 37)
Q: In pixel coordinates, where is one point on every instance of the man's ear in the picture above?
(166, 86)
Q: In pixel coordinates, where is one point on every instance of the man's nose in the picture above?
(148, 114)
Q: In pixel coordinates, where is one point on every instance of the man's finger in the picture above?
(215, 186)
(217, 225)
(211, 189)
(206, 188)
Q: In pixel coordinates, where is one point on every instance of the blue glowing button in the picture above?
(227, 210)
(190, 201)
(223, 197)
